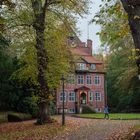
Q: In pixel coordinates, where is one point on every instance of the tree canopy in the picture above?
(120, 57)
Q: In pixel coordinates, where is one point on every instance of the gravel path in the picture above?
(93, 129)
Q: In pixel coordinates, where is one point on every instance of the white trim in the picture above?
(96, 97)
(98, 109)
(91, 68)
(71, 110)
(61, 96)
(90, 93)
(71, 79)
(98, 79)
(71, 97)
(79, 78)
(81, 66)
(89, 78)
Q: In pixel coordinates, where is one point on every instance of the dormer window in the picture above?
(81, 66)
(92, 66)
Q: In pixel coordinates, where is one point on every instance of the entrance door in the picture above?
(83, 98)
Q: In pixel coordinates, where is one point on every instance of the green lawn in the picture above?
(112, 116)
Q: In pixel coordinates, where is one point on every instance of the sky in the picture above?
(93, 28)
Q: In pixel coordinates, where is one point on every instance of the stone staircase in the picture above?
(86, 109)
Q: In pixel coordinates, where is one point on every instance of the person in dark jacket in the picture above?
(106, 112)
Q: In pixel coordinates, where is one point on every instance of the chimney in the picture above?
(89, 45)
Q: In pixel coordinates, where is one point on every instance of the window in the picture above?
(61, 97)
(97, 80)
(72, 96)
(80, 79)
(90, 96)
(98, 109)
(71, 110)
(81, 66)
(61, 110)
(88, 79)
(71, 79)
(92, 66)
(97, 96)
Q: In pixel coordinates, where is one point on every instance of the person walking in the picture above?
(106, 112)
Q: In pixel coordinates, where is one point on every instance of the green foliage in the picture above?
(17, 117)
(53, 108)
(87, 110)
(124, 104)
(7, 67)
(17, 22)
(120, 57)
(28, 105)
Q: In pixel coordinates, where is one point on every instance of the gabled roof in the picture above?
(82, 88)
(91, 59)
(80, 51)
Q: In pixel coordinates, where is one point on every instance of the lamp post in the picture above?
(139, 76)
(139, 71)
(63, 113)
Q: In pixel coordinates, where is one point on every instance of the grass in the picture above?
(123, 116)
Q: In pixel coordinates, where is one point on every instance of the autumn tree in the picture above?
(30, 21)
(40, 13)
(116, 39)
(132, 7)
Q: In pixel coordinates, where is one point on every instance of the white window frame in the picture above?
(61, 110)
(81, 66)
(71, 79)
(93, 67)
(90, 95)
(61, 96)
(88, 78)
(71, 110)
(97, 80)
(98, 110)
(97, 96)
(80, 78)
(72, 96)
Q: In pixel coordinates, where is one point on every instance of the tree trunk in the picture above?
(44, 113)
(132, 7)
(42, 61)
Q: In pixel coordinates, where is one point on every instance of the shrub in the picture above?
(87, 110)
(28, 105)
(3, 117)
(18, 117)
(52, 108)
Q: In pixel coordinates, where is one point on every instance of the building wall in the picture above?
(71, 87)
(84, 51)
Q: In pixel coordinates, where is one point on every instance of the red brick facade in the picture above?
(86, 85)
